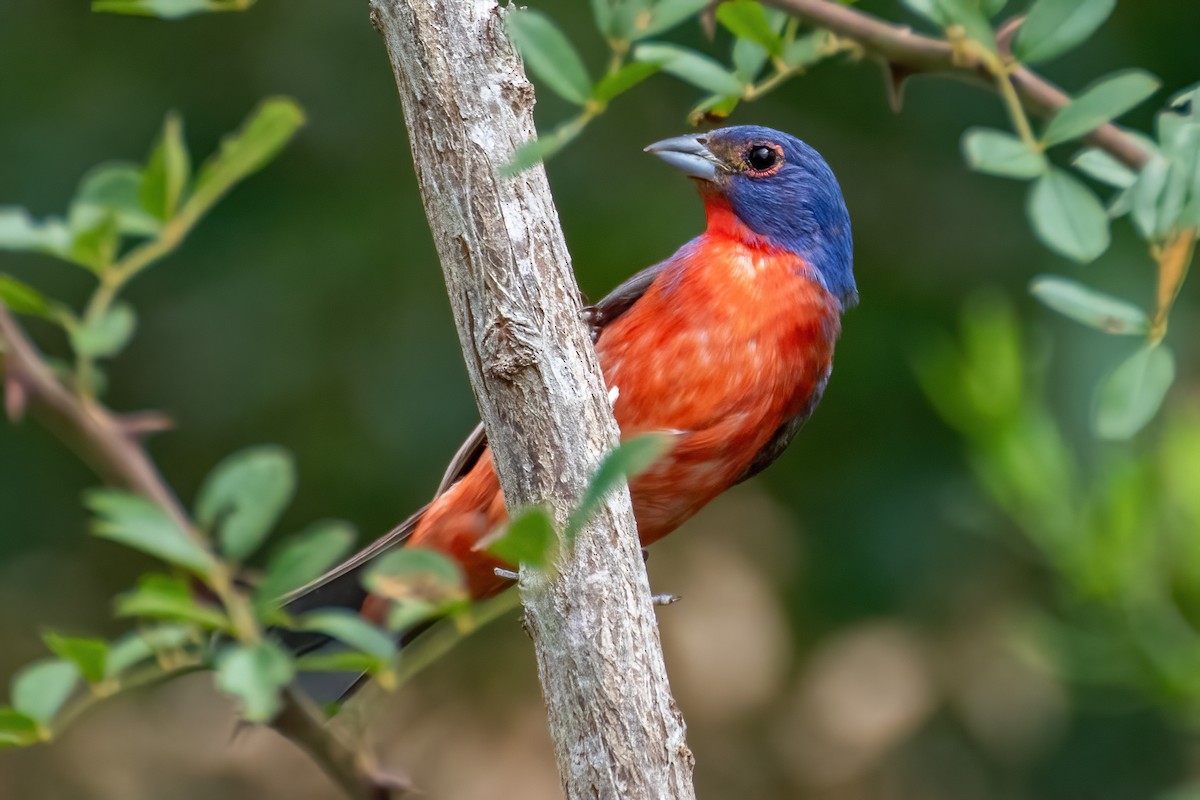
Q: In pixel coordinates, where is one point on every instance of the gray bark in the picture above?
(468, 106)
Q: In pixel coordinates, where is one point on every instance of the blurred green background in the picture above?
(857, 621)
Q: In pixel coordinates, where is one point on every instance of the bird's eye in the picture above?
(763, 159)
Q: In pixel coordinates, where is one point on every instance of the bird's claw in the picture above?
(507, 574)
(664, 599)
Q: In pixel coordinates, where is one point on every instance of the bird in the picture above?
(727, 346)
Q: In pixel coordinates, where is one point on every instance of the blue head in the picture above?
(781, 189)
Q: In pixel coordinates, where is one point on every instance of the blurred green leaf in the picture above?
(748, 58)
(627, 460)
(1098, 164)
(1147, 195)
(40, 689)
(350, 628)
(17, 729)
(1105, 100)
(345, 661)
(137, 646)
(1067, 217)
(664, 15)
(746, 19)
(1182, 188)
(1130, 395)
(88, 655)
(243, 496)
(19, 231)
(929, 9)
(167, 172)
(105, 336)
(416, 574)
(1092, 308)
(255, 675)
(112, 190)
(269, 127)
(304, 558)
(806, 50)
(602, 13)
(622, 80)
(713, 109)
(167, 598)
(543, 147)
(1053, 27)
(136, 522)
(95, 247)
(528, 538)
(688, 65)
(970, 14)
(1000, 153)
(549, 54)
(168, 9)
(21, 298)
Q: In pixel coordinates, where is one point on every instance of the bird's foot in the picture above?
(664, 599)
(507, 574)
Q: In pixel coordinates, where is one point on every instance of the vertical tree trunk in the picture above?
(468, 106)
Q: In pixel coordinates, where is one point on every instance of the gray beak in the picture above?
(689, 155)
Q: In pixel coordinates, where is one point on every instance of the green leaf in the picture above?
(1147, 194)
(136, 522)
(1103, 101)
(166, 598)
(106, 335)
(168, 9)
(40, 689)
(17, 729)
(1000, 153)
(1101, 166)
(1183, 181)
(112, 190)
(713, 109)
(304, 558)
(21, 298)
(688, 65)
(20, 232)
(416, 574)
(167, 171)
(1053, 27)
(345, 661)
(665, 14)
(88, 655)
(549, 54)
(135, 647)
(929, 9)
(622, 80)
(806, 50)
(748, 57)
(1131, 394)
(746, 19)
(628, 459)
(1067, 217)
(255, 675)
(264, 133)
(543, 147)
(349, 628)
(243, 496)
(1095, 309)
(970, 15)
(602, 12)
(528, 538)
(95, 247)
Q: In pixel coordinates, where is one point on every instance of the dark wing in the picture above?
(774, 448)
(341, 586)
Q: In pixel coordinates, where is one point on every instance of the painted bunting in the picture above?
(727, 345)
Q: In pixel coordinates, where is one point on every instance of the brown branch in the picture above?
(468, 107)
(110, 446)
(906, 53)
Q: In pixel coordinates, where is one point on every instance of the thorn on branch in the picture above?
(140, 424)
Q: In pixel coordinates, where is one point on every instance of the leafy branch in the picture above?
(1156, 180)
